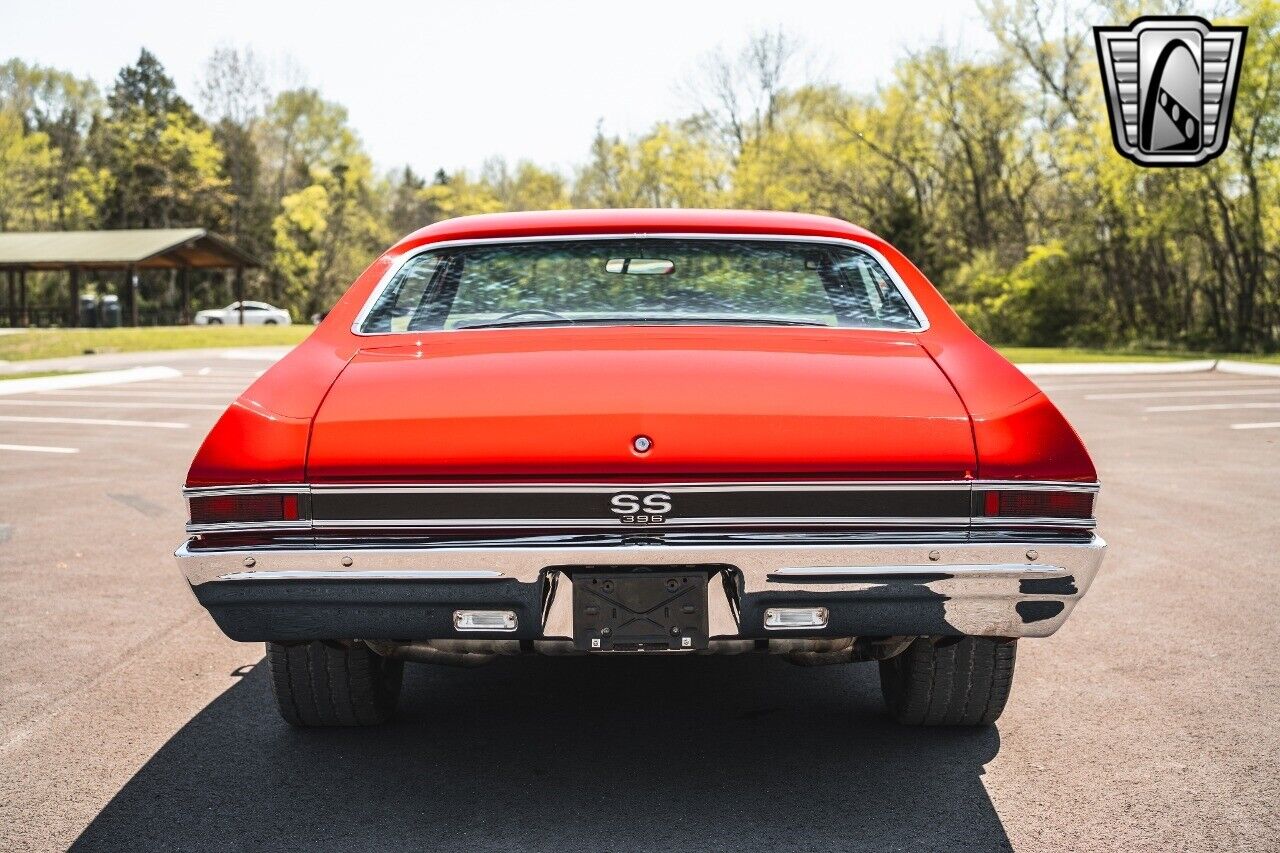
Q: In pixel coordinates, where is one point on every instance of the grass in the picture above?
(56, 343)
(35, 374)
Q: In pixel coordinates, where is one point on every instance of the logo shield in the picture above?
(1171, 85)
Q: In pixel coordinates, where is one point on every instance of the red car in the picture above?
(641, 432)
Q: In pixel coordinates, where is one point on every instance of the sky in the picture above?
(435, 85)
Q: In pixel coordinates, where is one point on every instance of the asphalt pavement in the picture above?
(1149, 722)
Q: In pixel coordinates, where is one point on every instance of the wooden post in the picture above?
(131, 283)
(23, 319)
(184, 284)
(240, 292)
(12, 304)
(73, 319)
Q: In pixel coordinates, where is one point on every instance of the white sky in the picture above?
(448, 84)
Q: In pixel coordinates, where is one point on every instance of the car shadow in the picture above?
(569, 754)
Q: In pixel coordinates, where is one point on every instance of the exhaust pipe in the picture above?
(466, 653)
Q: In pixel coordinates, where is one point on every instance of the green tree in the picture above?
(61, 108)
(326, 233)
(165, 168)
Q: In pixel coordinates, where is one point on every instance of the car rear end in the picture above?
(759, 563)
(839, 492)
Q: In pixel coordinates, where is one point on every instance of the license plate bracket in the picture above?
(658, 608)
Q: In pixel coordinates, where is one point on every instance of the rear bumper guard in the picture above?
(997, 590)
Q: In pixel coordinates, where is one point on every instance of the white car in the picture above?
(255, 314)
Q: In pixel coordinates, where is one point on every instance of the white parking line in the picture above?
(1266, 425)
(23, 419)
(86, 380)
(35, 448)
(1211, 407)
(121, 404)
(1156, 395)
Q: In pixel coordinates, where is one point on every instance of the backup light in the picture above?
(484, 620)
(782, 618)
(217, 509)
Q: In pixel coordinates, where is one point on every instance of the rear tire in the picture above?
(949, 682)
(214, 321)
(326, 684)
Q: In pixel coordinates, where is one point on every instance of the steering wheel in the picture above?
(539, 311)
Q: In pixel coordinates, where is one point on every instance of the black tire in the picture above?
(214, 321)
(270, 323)
(325, 684)
(949, 681)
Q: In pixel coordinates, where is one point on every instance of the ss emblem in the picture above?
(641, 509)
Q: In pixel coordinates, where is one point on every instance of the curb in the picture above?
(1248, 368)
(1123, 368)
(117, 360)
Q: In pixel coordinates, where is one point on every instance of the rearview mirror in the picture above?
(640, 266)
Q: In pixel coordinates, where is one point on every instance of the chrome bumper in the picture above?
(998, 590)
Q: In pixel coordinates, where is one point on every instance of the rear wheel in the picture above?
(949, 682)
(327, 684)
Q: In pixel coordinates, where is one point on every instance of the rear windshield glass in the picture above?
(639, 281)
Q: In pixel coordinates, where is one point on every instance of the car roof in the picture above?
(633, 221)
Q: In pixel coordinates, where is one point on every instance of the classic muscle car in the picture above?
(657, 432)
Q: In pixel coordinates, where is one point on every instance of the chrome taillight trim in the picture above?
(302, 491)
(247, 489)
(1034, 486)
(1017, 521)
(672, 523)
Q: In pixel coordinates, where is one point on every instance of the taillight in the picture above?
(1038, 504)
(217, 509)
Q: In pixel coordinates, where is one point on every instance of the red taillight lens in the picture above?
(1037, 504)
(226, 508)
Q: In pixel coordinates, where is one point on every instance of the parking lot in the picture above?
(127, 721)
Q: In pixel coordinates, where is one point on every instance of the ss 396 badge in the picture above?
(651, 508)
(1170, 84)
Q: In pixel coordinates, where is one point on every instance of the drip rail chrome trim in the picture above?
(399, 263)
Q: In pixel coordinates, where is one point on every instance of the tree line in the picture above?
(995, 173)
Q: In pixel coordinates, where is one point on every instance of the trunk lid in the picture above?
(567, 404)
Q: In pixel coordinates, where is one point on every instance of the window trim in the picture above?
(910, 298)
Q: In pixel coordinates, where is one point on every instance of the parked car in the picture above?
(255, 314)
(641, 432)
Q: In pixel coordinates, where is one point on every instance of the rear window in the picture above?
(640, 281)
